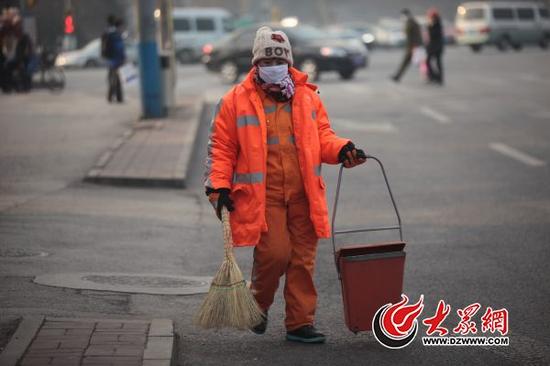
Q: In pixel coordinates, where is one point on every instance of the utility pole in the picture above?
(152, 99)
(168, 55)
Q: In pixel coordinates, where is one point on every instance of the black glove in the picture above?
(223, 200)
(344, 157)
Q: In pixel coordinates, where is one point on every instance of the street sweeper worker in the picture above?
(268, 138)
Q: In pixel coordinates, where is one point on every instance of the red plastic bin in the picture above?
(371, 275)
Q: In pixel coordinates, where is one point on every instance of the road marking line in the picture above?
(376, 127)
(516, 154)
(439, 117)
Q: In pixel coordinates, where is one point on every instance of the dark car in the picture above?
(314, 51)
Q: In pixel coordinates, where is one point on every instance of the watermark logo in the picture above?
(396, 325)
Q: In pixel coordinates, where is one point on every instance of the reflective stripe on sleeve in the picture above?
(208, 162)
(248, 178)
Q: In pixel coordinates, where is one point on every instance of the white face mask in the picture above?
(273, 74)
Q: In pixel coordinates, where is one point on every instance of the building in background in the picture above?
(49, 17)
(89, 16)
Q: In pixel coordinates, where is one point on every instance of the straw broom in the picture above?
(229, 302)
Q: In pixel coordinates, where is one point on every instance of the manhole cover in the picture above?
(133, 283)
(21, 252)
(145, 281)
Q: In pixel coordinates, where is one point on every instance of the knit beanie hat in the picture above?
(271, 44)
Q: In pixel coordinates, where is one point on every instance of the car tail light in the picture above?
(485, 30)
(207, 49)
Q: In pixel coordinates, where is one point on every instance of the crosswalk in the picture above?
(454, 107)
(516, 154)
(386, 108)
(435, 115)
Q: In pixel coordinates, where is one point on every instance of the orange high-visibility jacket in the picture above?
(237, 154)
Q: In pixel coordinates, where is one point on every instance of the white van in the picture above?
(195, 27)
(502, 23)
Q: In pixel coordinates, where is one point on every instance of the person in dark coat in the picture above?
(112, 49)
(413, 39)
(17, 55)
(435, 47)
(23, 57)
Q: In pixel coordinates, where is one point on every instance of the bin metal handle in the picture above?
(335, 208)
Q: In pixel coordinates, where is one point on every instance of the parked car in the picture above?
(503, 24)
(195, 27)
(361, 31)
(90, 55)
(389, 33)
(314, 51)
(87, 56)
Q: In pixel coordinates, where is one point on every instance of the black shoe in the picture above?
(260, 328)
(395, 78)
(306, 334)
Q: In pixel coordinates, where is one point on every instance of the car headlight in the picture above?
(60, 61)
(368, 38)
(333, 51)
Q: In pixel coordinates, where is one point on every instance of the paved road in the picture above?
(469, 164)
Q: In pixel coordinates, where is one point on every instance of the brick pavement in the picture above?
(82, 342)
(153, 152)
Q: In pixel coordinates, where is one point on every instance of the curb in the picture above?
(179, 175)
(21, 340)
(160, 347)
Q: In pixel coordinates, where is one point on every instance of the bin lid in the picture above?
(353, 250)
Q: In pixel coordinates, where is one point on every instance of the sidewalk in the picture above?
(90, 342)
(153, 152)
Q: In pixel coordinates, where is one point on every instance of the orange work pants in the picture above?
(287, 248)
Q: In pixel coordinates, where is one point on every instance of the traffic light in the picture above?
(69, 23)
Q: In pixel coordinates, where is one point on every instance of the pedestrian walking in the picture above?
(112, 49)
(16, 53)
(413, 36)
(269, 136)
(23, 57)
(435, 47)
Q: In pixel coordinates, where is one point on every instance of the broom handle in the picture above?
(227, 237)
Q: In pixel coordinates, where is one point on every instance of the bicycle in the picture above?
(50, 75)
